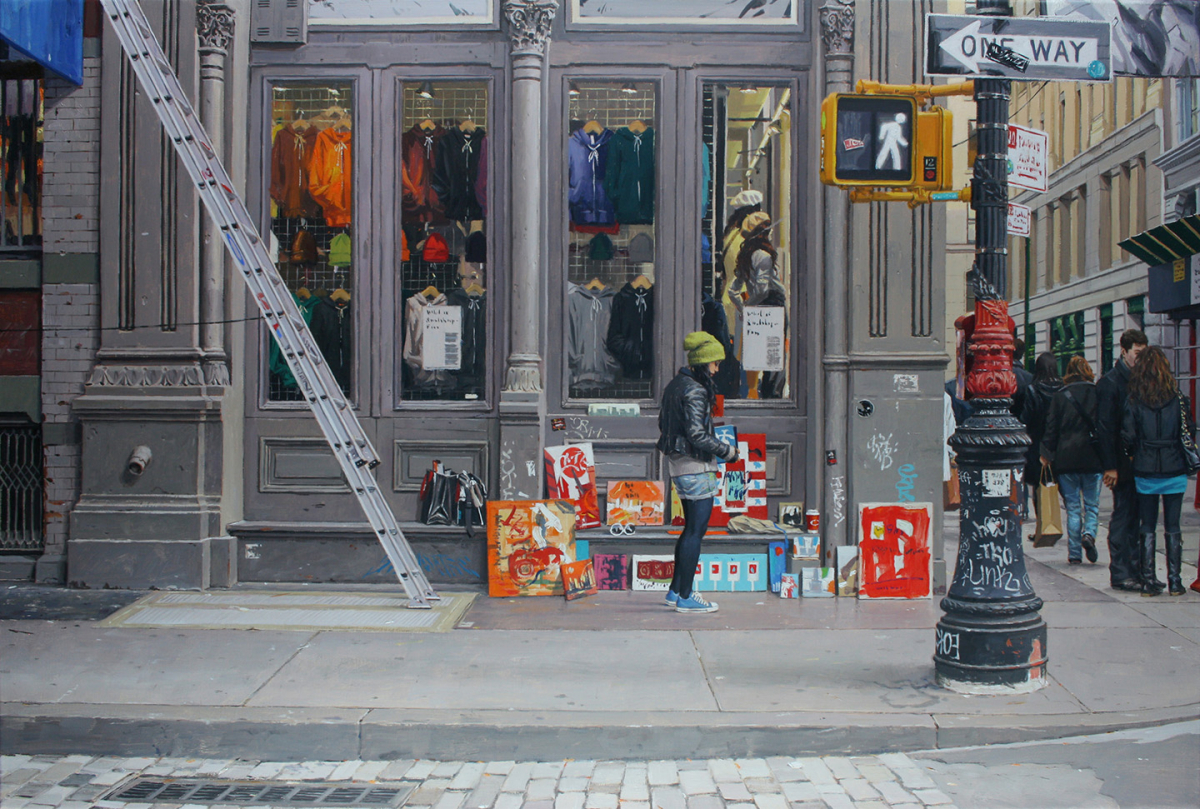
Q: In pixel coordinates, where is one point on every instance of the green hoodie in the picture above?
(629, 177)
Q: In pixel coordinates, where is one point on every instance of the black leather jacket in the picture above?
(685, 421)
(1152, 435)
(1110, 396)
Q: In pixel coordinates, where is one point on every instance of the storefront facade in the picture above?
(499, 227)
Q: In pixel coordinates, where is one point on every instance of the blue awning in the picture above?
(48, 31)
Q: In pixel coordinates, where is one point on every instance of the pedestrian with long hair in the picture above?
(693, 450)
(1153, 431)
(1069, 447)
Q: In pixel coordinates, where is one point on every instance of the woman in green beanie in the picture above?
(692, 450)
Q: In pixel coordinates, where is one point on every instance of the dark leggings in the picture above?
(1148, 512)
(687, 547)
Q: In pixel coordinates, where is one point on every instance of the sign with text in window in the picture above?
(762, 338)
(1019, 217)
(1028, 158)
(442, 336)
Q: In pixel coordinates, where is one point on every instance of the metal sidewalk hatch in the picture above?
(213, 791)
(336, 418)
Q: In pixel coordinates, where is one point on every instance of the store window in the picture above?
(611, 152)
(312, 213)
(22, 119)
(442, 258)
(745, 236)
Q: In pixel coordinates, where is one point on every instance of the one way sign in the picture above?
(1030, 48)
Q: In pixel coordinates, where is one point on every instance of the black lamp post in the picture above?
(992, 638)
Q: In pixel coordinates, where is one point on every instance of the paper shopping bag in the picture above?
(1049, 512)
(951, 494)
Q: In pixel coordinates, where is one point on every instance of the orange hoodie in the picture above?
(330, 177)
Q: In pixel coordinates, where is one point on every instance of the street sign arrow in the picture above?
(1030, 48)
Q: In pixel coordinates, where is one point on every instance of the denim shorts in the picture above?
(699, 486)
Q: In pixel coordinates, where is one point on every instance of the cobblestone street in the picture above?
(860, 782)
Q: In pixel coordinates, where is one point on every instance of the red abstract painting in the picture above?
(893, 550)
(571, 475)
(528, 542)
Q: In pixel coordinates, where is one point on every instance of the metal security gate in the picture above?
(20, 488)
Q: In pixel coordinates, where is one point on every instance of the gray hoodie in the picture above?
(589, 312)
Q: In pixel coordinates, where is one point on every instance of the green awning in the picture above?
(1166, 242)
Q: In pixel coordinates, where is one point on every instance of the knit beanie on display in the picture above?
(600, 248)
(702, 348)
(436, 248)
(304, 248)
(641, 249)
(339, 250)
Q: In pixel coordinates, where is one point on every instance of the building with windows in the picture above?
(497, 218)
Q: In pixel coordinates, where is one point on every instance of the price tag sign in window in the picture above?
(762, 338)
(442, 338)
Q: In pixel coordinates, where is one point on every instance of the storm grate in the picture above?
(274, 793)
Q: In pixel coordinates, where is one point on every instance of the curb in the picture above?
(286, 734)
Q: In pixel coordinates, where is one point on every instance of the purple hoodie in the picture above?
(587, 156)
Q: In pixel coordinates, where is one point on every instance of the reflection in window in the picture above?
(610, 257)
(312, 209)
(443, 244)
(22, 117)
(745, 236)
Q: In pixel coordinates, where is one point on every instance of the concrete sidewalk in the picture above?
(613, 676)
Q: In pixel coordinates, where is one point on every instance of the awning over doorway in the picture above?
(1174, 275)
(1167, 242)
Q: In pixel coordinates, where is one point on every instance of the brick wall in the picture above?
(70, 312)
(71, 174)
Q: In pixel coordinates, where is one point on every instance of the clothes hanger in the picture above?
(637, 126)
(430, 292)
(342, 124)
(641, 282)
(301, 123)
(475, 289)
(340, 295)
(467, 124)
(427, 125)
(593, 127)
(303, 294)
(595, 285)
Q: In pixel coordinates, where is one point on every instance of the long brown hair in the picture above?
(1150, 381)
(758, 240)
(1078, 370)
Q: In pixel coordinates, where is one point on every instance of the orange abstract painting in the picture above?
(528, 542)
(634, 502)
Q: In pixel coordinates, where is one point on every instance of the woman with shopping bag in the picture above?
(1159, 434)
(1069, 446)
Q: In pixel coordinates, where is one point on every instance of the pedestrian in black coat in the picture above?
(1124, 559)
(1046, 383)
(1069, 447)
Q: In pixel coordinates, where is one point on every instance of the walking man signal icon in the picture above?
(891, 134)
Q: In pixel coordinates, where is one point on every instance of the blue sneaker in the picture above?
(695, 603)
(672, 598)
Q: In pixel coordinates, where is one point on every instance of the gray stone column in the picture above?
(522, 400)
(837, 32)
(214, 26)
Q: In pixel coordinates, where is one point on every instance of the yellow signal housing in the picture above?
(933, 152)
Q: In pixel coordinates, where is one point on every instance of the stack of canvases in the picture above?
(892, 558)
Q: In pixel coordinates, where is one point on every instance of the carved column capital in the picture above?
(214, 25)
(837, 26)
(529, 24)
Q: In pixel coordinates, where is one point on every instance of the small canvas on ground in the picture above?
(776, 563)
(612, 570)
(817, 582)
(894, 554)
(789, 585)
(652, 572)
(847, 566)
(579, 579)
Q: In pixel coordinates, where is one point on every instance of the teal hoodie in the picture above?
(629, 177)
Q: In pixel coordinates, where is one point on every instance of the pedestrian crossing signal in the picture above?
(884, 141)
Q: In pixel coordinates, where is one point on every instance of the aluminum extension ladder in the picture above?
(336, 418)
